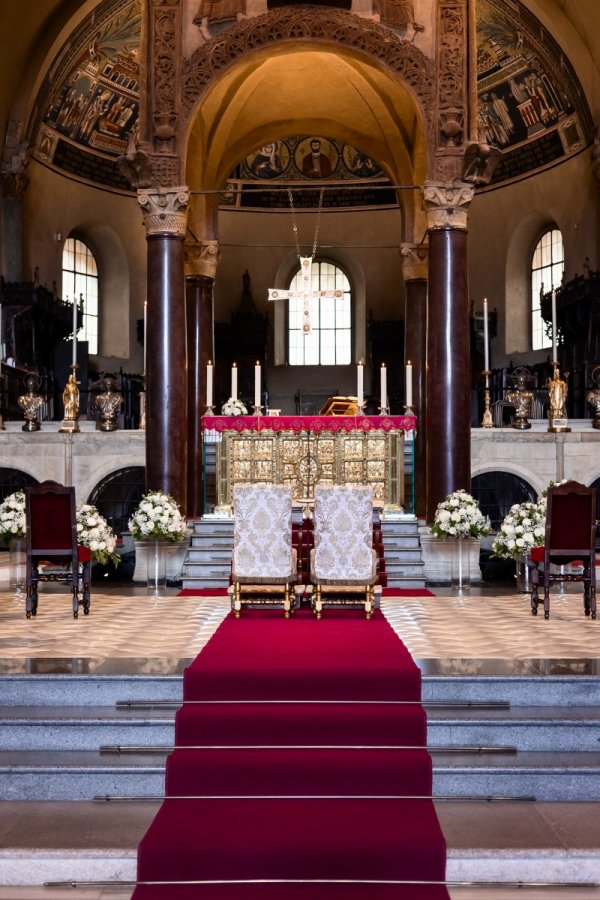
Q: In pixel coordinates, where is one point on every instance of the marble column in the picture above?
(448, 379)
(165, 219)
(415, 272)
(201, 261)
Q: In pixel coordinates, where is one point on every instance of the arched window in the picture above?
(80, 278)
(547, 267)
(330, 341)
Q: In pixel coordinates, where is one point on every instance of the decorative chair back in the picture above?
(262, 531)
(343, 532)
(51, 520)
(570, 521)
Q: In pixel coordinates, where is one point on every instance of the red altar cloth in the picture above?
(309, 423)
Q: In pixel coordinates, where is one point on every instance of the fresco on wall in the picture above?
(309, 158)
(91, 106)
(530, 104)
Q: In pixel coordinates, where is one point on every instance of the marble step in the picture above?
(522, 842)
(63, 683)
(81, 775)
(86, 728)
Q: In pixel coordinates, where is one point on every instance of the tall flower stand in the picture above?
(156, 567)
(462, 555)
(16, 565)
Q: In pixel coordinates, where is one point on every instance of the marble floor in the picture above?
(125, 631)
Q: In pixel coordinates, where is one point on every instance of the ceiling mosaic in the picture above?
(531, 106)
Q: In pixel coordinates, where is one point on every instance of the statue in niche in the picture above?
(212, 12)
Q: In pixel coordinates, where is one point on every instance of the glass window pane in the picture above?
(80, 279)
(330, 342)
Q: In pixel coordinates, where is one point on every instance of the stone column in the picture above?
(415, 271)
(201, 261)
(165, 218)
(448, 382)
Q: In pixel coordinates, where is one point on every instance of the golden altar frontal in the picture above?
(302, 451)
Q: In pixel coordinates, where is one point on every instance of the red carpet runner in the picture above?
(297, 753)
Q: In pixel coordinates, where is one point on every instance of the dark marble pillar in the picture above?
(165, 217)
(448, 379)
(201, 263)
(415, 271)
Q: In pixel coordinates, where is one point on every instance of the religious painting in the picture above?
(359, 164)
(530, 104)
(316, 157)
(269, 161)
(88, 112)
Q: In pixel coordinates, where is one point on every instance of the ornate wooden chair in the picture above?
(52, 545)
(264, 563)
(570, 539)
(343, 562)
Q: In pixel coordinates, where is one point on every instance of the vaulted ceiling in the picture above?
(27, 31)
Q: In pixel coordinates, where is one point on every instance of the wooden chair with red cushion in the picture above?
(51, 520)
(570, 541)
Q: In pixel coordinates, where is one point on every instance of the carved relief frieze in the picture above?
(451, 55)
(201, 259)
(447, 205)
(165, 70)
(305, 23)
(165, 211)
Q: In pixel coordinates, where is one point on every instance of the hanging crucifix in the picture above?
(306, 293)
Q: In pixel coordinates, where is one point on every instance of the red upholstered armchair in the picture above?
(52, 540)
(570, 538)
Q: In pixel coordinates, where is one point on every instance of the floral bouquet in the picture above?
(523, 528)
(93, 531)
(12, 516)
(459, 516)
(157, 518)
(233, 408)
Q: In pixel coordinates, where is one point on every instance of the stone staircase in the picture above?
(208, 561)
(53, 730)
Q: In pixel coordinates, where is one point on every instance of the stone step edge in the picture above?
(543, 865)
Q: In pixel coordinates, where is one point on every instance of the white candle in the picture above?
(74, 331)
(554, 357)
(257, 384)
(209, 383)
(409, 398)
(359, 384)
(145, 332)
(486, 339)
(234, 382)
(383, 389)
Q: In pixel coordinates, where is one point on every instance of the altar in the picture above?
(303, 451)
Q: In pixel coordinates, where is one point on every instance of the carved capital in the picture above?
(165, 210)
(14, 185)
(201, 259)
(415, 261)
(447, 205)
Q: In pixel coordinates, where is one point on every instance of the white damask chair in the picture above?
(264, 562)
(343, 562)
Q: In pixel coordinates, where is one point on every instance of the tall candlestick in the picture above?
(145, 333)
(209, 384)
(383, 389)
(554, 357)
(360, 385)
(74, 331)
(408, 388)
(257, 384)
(234, 382)
(486, 337)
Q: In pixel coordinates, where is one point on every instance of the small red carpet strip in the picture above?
(386, 592)
(298, 773)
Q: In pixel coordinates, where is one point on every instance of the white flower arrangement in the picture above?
(12, 516)
(459, 516)
(93, 531)
(157, 517)
(233, 408)
(523, 528)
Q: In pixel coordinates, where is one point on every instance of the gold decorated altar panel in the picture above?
(305, 457)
